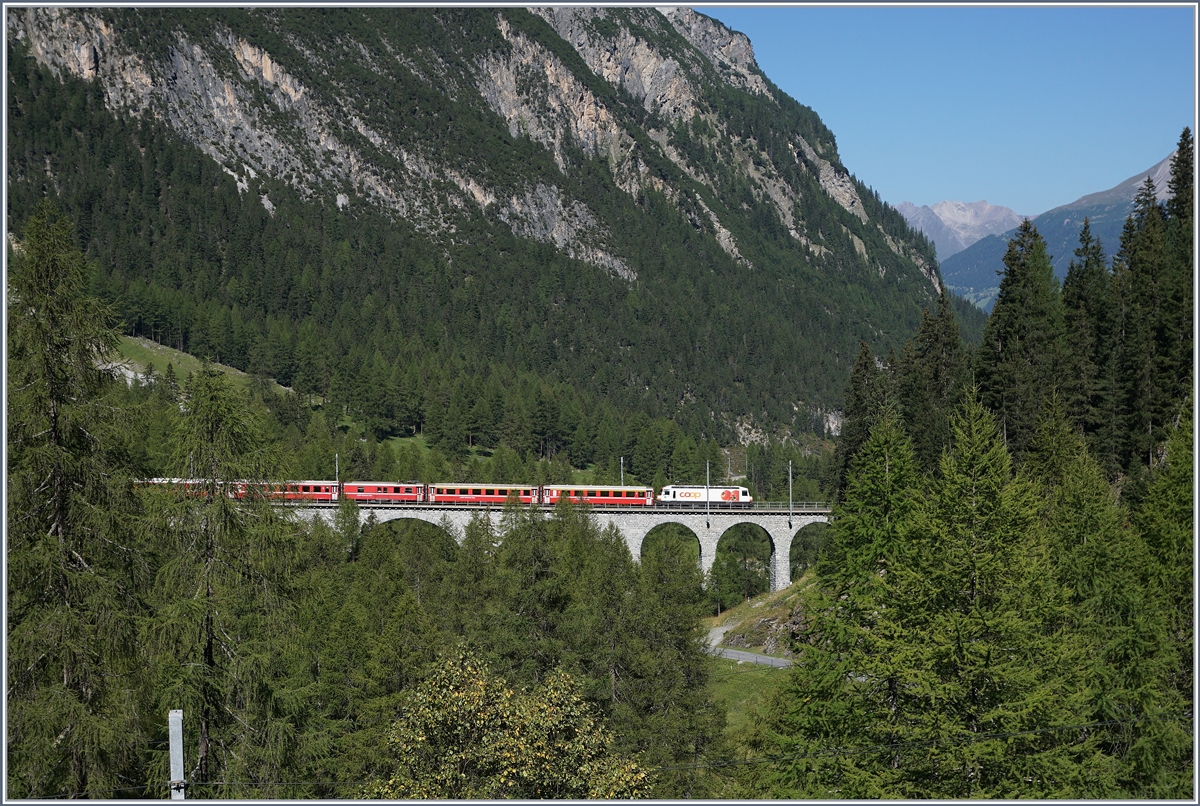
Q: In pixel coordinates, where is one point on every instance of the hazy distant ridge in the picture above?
(954, 225)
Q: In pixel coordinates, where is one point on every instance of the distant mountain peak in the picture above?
(974, 272)
(955, 225)
(1127, 190)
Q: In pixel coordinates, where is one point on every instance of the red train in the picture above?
(415, 492)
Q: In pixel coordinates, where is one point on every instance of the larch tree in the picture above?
(868, 389)
(990, 675)
(834, 719)
(1119, 618)
(76, 568)
(1165, 519)
(220, 596)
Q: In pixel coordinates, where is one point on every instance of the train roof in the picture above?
(492, 484)
(595, 487)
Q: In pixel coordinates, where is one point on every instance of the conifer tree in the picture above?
(1181, 246)
(1023, 352)
(991, 676)
(76, 569)
(219, 596)
(1087, 308)
(1119, 619)
(930, 381)
(525, 596)
(868, 389)
(1148, 393)
(1165, 519)
(664, 711)
(952, 677)
(842, 695)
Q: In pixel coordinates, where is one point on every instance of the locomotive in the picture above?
(415, 492)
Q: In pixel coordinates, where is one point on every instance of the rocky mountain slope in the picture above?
(559, 126)
(972, 272)
(953, 225)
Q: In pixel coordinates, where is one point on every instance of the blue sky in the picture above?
(1028, 107)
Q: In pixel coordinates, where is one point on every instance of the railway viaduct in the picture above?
(780, 524)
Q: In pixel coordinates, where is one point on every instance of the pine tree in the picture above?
(1023, 352)
(930, 381)
(868, 389)
(1087, 305)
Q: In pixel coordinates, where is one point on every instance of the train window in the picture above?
(360, 489)
(408, 490)
(604, 493)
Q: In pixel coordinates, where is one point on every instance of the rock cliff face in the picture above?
(257, 113)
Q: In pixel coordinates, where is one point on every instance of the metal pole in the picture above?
(337, 473)
(789, 493)
(707, 525)
(175, 725)
(622, 471)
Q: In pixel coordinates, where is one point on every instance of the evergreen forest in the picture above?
(1001, 607)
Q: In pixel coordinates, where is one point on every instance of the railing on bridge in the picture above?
(797, 507)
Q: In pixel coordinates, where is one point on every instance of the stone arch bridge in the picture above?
(780, 524)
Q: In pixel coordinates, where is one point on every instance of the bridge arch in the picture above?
(807, 543)
(742, 563)
(671, 530)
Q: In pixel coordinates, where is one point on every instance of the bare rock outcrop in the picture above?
(731, 53)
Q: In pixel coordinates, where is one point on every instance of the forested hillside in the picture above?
(498, 208)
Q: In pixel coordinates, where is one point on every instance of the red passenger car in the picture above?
(452, 492)
(385, 492)
(598, 495)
